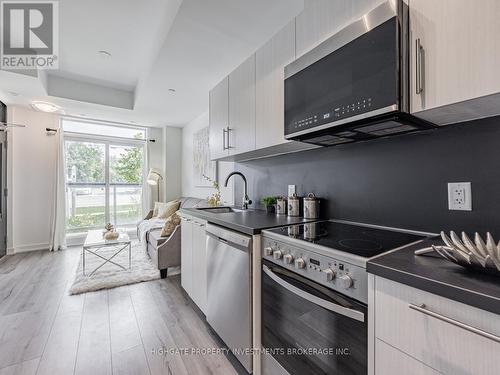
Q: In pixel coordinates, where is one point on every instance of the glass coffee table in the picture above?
(94, 242)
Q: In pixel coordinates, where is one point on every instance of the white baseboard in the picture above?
(27, 248)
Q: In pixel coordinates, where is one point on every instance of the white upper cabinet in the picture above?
(219, 119)
(455, 55)
(271, 60)
(320, 19)
(242, 108)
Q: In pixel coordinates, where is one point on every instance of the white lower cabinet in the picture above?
(432, 330)
(199, 266)
(391, 361)
(194, 260)
(186, 252)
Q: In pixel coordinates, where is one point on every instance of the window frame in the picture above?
(107, 141)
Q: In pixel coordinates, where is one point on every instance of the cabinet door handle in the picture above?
(418, 67)
(424, 310)
(227, 132)
(224, 139)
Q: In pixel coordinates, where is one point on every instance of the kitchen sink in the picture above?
(221, 210)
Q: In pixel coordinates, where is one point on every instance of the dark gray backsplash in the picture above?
(399, 181)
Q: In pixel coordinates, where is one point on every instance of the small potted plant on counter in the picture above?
(270, 203)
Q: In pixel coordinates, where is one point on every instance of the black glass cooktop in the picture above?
(355, 239)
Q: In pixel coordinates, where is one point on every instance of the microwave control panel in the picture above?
(333, 114)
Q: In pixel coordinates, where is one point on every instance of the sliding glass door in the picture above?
(104, 182)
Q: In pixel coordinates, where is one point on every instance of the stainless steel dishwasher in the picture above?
(229, 290)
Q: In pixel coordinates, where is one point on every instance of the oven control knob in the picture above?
(346, 281)
(268, 251)
(277, 254)
(329, 274)
(300, 263)
(288, 258)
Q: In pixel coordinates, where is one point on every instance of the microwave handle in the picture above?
(418, 67)
(350, 313)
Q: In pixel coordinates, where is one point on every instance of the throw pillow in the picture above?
(170, 225)
(156, 208)
(167, 209)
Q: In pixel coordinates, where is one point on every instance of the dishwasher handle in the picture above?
(229, 237)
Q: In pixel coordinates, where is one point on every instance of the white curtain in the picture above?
(58, 217)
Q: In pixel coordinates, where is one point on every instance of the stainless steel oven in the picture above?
(355, 85)
(308, 328)
(315, 295)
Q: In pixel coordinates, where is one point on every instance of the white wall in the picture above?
(173, 163)
(156, 160)
(31, 174)
(223, 168)
(164, 155)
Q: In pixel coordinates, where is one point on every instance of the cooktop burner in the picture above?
(355, 239)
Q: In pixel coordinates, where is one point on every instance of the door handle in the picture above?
(223, 139)
(350, 313)
(418, 67)
(424, 310)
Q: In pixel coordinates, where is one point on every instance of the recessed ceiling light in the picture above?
(13, 93)
(172, 90)
(104, 54)
(45, 107)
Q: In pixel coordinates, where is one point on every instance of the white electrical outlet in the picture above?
(292, 189)
(460, 196)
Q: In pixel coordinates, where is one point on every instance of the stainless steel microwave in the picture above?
(355, 85)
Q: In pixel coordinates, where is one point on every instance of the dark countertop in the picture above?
(248, 222)
(436, 275)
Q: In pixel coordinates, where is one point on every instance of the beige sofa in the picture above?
(165, 252)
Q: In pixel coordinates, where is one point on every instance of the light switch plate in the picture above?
(292, 189)
(460, 196)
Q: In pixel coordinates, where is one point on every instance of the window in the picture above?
(95, 128)
(104, 177)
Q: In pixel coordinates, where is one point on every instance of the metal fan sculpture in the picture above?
(479, 255)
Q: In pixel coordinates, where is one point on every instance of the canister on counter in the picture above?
(294, 206)
(311, 206)
(281, 204)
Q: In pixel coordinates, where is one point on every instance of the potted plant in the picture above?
(270, 203)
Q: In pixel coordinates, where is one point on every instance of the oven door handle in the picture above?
(350, 313)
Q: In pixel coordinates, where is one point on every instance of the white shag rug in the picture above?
(111, 276)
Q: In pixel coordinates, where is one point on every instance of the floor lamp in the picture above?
(153, 179)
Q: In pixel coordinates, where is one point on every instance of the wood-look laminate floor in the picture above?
(45, 331)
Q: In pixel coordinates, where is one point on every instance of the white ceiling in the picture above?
(187, 45)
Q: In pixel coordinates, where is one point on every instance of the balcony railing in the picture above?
(88, 207)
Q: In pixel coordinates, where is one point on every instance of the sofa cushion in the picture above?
(163, 210)
(155, 238)
(170, 225)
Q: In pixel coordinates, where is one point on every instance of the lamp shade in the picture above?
(153, 177)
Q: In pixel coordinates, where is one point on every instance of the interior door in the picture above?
(3, 183)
